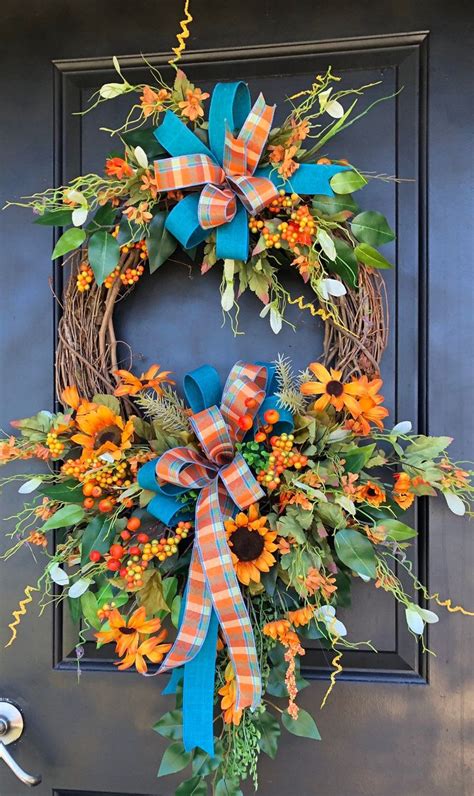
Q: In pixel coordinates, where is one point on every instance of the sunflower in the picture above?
(370, 493)
(252, 545)
(369, 407)
(126, 632)
(332, 390)
(228, 692)
(102, 430)
(150, 648)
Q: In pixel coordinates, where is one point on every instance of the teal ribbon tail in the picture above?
(285, 424)
(232, 239)
(309, 178)
(178, 139)
(183, 222)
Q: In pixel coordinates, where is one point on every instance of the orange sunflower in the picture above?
(102, 430)
(228, 692)
(370, 410)
(370, 493)
(332, 390)
(152, 379)
(126, 632)
(251, 544)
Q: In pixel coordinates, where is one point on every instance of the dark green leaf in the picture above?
(372, 228)
(104, 217)
(104, 254)
(345, 264)
(270, 732)
(129, 232)
(146, 139)
(74, 610)
(55, 218)
(332, 205)
(369, 256)
(110, 401)
(304, 725)
(69, 240)
(176, 611)
(330, 514)
(356, 552)
(356, 458)
(66, 516)
(227, 787)
(97, 536)
(89, 608)
(196, 786)
(170, 725)
(174, 759)
(269, 580)
(160, 243)
(347, 182)
(65, 492)
(204, 764)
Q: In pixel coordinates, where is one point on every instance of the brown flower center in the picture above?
(109, 434)
(127, 631)
(247, 545)
(371, 491)
(334, 388)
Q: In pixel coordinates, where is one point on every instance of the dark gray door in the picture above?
(396, 725)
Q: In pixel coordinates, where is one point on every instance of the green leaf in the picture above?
(369, 256)
(175, 610)
(151, 593)
(270, 732)
(356, 552)
(196, 786)
(146, 139)
(104, 254)
(104, 217)
(170, 588)
(326, 242)
(269, 580)
(170, 725)
(347, 181)
(65, 492)
(110, 401)
(89, 608)
(345, 264)
(357, 457)
(398, 530)
(426, 448)
(227, 787)
(97, 536)
(74, 610)
(331, 515)
(174, 759)
(332, 205)
(55, 218)
(69, 240)
(304, 725)
(66, 516)
(160, 243)
(203, 764)
(372, 228)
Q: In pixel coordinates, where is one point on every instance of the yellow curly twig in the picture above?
(336, 670)
(20, 611)
(449, 606)
(325, 314)
(179, 50)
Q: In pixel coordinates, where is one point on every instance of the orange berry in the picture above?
(88, 503)
(113, 565)
(96, 491)
(105, 505)
(251, 403)
(271, 416)
(260, 436)
(134, 523)
(245, 422)
(116, 551)
(323, 162)
(87, 489)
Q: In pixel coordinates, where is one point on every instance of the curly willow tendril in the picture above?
(337, 669)
(179, 50)
(19, 612)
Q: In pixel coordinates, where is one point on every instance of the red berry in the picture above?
(245, 422)
(95, 556)
(134, 523)
(88, 503)
(105, 505)
(125, 535)
(113, 565)
(123, 572)
(116, 551)
(142, 538)
(134, 551)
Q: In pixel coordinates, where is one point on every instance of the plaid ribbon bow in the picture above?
(224, 480)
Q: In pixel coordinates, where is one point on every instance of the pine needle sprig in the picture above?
(168, 410)
(288, 394)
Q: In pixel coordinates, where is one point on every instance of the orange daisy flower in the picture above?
(370, 493)
(8, 450)
(316, 581)
(152, 379)
(126, 632)
(192, 105)
(118, 167)
(370, 410)
(151, 648)
(302, 616)
(152, 101)
(149, 184)
(332, 390)
(299, 130)
(280, 630)
(401, 491)
(251, 545)
(228, 692)
(140, 214)
(70, 397)
(277, 152)
(289, 166)
(102, 431)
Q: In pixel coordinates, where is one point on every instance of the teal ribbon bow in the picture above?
(229, 109)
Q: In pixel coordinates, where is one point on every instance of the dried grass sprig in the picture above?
(167, 410)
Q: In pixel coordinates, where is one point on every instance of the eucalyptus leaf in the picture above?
(69, 240)
(30, 486)
(79, 587)
(345, 182)
(104, 254)
(72, 514)
(356, 552)
(372, 228)
(58, 575)
(369, 256)
(455, 504)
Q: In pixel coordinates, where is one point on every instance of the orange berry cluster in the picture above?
(300, 228)
(84, 278)
(141, 244)
(104, 612)
(54, 444)
(283, 201)
(37, 538)
(166, 546)
(281, 458)
(110, 279)
(132, 275)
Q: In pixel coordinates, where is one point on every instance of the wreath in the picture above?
(214, 530)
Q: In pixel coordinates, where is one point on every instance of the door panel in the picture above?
(402, 729)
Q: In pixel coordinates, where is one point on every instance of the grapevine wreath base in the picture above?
(213, 530)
